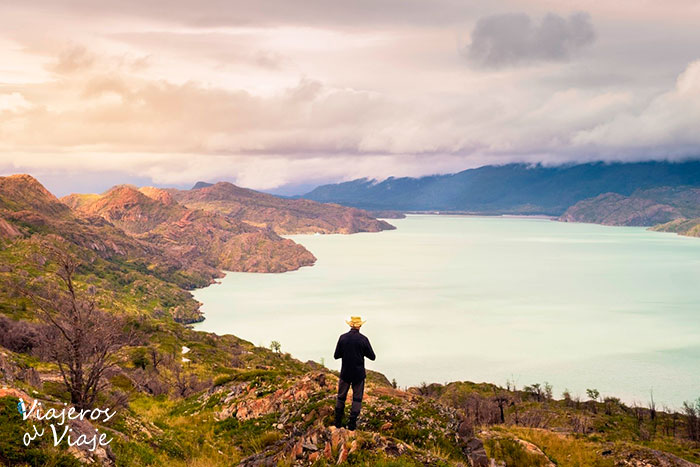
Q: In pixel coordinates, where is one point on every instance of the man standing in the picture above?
(352, 347)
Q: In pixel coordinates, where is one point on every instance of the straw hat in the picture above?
(355, 321)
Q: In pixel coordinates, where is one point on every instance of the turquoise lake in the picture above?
(488, 299)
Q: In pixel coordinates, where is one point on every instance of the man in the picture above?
(352, 347)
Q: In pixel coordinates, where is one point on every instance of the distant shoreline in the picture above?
(480, 214)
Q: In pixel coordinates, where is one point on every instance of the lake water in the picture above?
(488, 299)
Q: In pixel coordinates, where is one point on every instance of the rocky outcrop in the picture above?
(644, 457)
(242, 402)
(301, 410)
(333, 445)
(8, 230)
(158, 194)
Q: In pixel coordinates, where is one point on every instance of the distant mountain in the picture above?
(509, 189)
(127, 208)
(199, 185)
(641, 208)
(283, 215)
(151, 214)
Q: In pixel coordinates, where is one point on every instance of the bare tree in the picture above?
(580, 423)
(156, 358)
(652, 407)
(185, 382)
(80, 338)
(669, 421)
(548, 391)
(692, 419)
(502, 400)
(638, 412)
(610, 404)
(652, 416)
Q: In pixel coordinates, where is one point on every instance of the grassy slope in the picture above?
(413, 427)
(570, 432)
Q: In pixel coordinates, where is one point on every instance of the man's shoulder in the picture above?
(361, 338)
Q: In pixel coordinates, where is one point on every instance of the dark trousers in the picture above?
(358, 390)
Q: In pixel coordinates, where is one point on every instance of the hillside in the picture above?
(683, 226)
(193, 235)
(283, 215)
(23, 193)
(615, 209)
(233, 403)
(188, 398)
(509, 189)
(133, 274)
(670, 206)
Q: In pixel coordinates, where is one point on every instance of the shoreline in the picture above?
(478, 214)
(649, 228)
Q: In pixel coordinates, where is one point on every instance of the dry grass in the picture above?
(563, 450)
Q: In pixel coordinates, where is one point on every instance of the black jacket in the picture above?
(353, 347)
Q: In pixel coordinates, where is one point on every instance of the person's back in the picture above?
(352, 348)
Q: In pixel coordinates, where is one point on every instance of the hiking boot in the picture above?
(338, 418)
(352, 424)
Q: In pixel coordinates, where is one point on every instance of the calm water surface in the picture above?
(488, 299)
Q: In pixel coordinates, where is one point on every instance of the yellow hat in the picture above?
(355, 322)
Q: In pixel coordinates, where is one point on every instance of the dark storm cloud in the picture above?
(514, 39)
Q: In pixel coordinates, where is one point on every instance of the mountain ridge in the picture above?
(285, 216)
(221, 241)
(510, 188)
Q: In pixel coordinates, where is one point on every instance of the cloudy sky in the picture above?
(283, 95)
